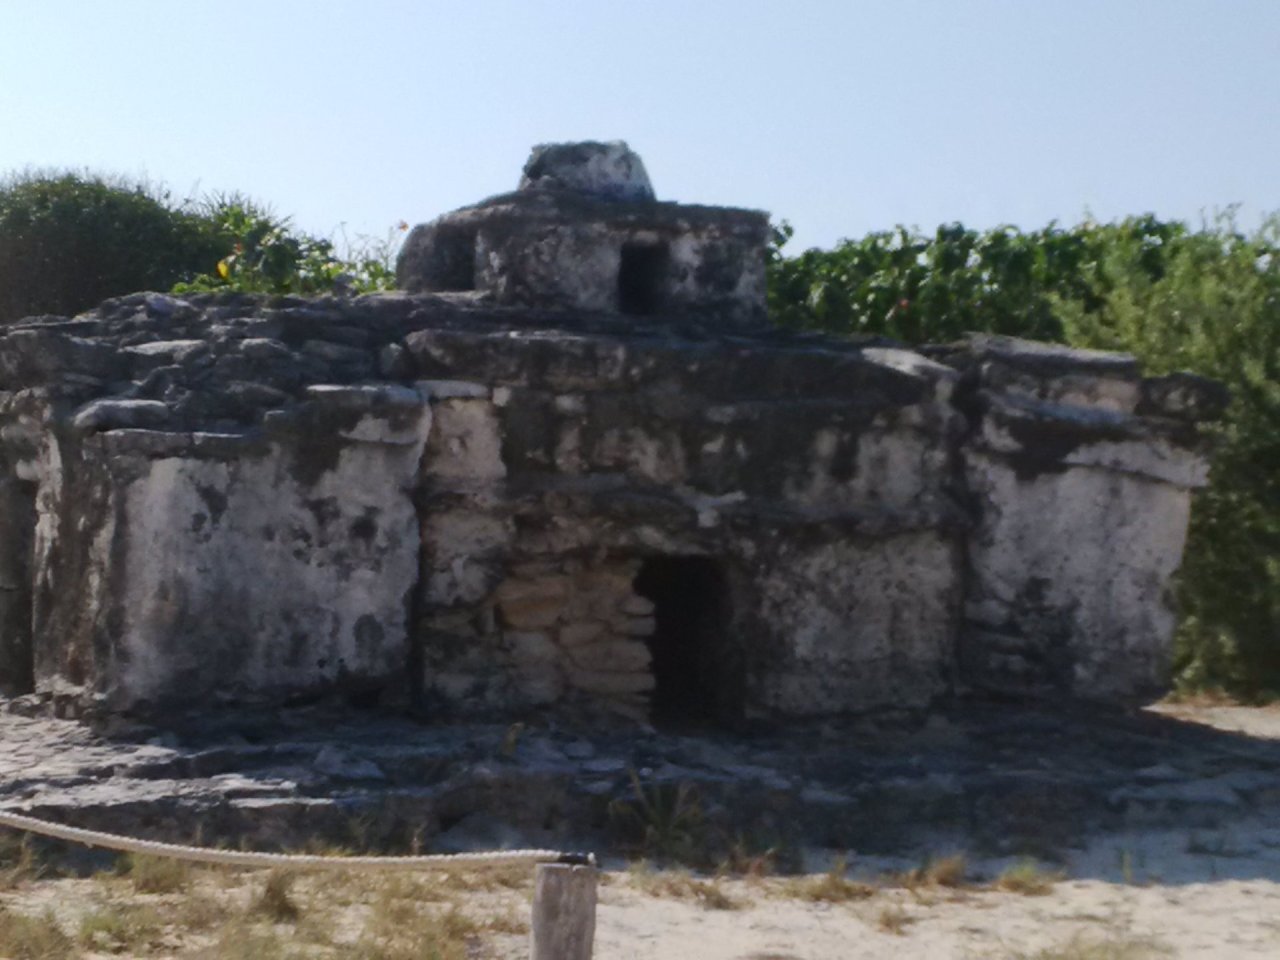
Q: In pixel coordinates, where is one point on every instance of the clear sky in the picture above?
(842, 117)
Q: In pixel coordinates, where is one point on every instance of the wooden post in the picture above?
(564, 912)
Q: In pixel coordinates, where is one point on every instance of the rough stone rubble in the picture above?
(572, 465)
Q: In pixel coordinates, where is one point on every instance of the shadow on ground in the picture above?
(1130, 797)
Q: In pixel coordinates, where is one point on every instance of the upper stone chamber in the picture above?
(583, 231)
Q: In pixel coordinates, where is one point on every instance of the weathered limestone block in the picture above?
(466, 442)
(641, 451)
(531, 647)
(637, 626)
(858, 625)
(578, 634)
(1071, 569)
(537, 685)
(637, 606)
(610, 683)
(606, 171)
(1082, 510)
(613, 656)
(285, 568)
(463, 555)
(532, 604)
(114, 414)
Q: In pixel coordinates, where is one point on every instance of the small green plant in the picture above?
(663, 821)
(265, 253)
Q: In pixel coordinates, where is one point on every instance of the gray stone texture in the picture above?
(583, 232)
(605, 171)
(527, 499)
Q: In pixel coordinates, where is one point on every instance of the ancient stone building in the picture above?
(571, 465)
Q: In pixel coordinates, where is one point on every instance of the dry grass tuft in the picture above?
(18, 860)
(33, 938)
(402, 930)
(1028, 878)
(951, 872)
(239, 941)
(119, 928)
(1115, 947)
(199, 910)
(682, 885)
(834, 886)
(157, 874)
(509, 921)
(893, 919)
(275, 900)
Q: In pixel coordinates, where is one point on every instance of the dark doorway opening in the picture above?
(452, 264)
(17, 528)
(694, 668)
(641, 275)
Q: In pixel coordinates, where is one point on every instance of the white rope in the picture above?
(248, 858)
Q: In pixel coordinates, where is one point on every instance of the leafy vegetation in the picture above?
(1205, 300)
(264, 253)
(70, 240)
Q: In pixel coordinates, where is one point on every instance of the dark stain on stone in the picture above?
(324, 509)
(369, 636)
(198, 520)
(844, 462)
(365, 527)
(214, 499)
(296, 654)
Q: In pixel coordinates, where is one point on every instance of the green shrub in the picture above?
(265, 254)
(69, 241)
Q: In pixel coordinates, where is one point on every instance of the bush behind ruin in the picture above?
(70, 240)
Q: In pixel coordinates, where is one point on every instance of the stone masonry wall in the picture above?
(488, 510)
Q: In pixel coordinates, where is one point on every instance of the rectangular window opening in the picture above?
(642, 274)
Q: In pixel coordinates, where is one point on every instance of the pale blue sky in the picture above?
(842, 117)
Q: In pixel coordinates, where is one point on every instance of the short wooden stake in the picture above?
(564, 912)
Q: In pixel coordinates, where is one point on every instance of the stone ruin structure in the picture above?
(570, 464)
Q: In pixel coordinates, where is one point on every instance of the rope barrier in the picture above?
(249, 858)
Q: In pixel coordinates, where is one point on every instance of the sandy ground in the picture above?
(1228, 919)
(1177, 894)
